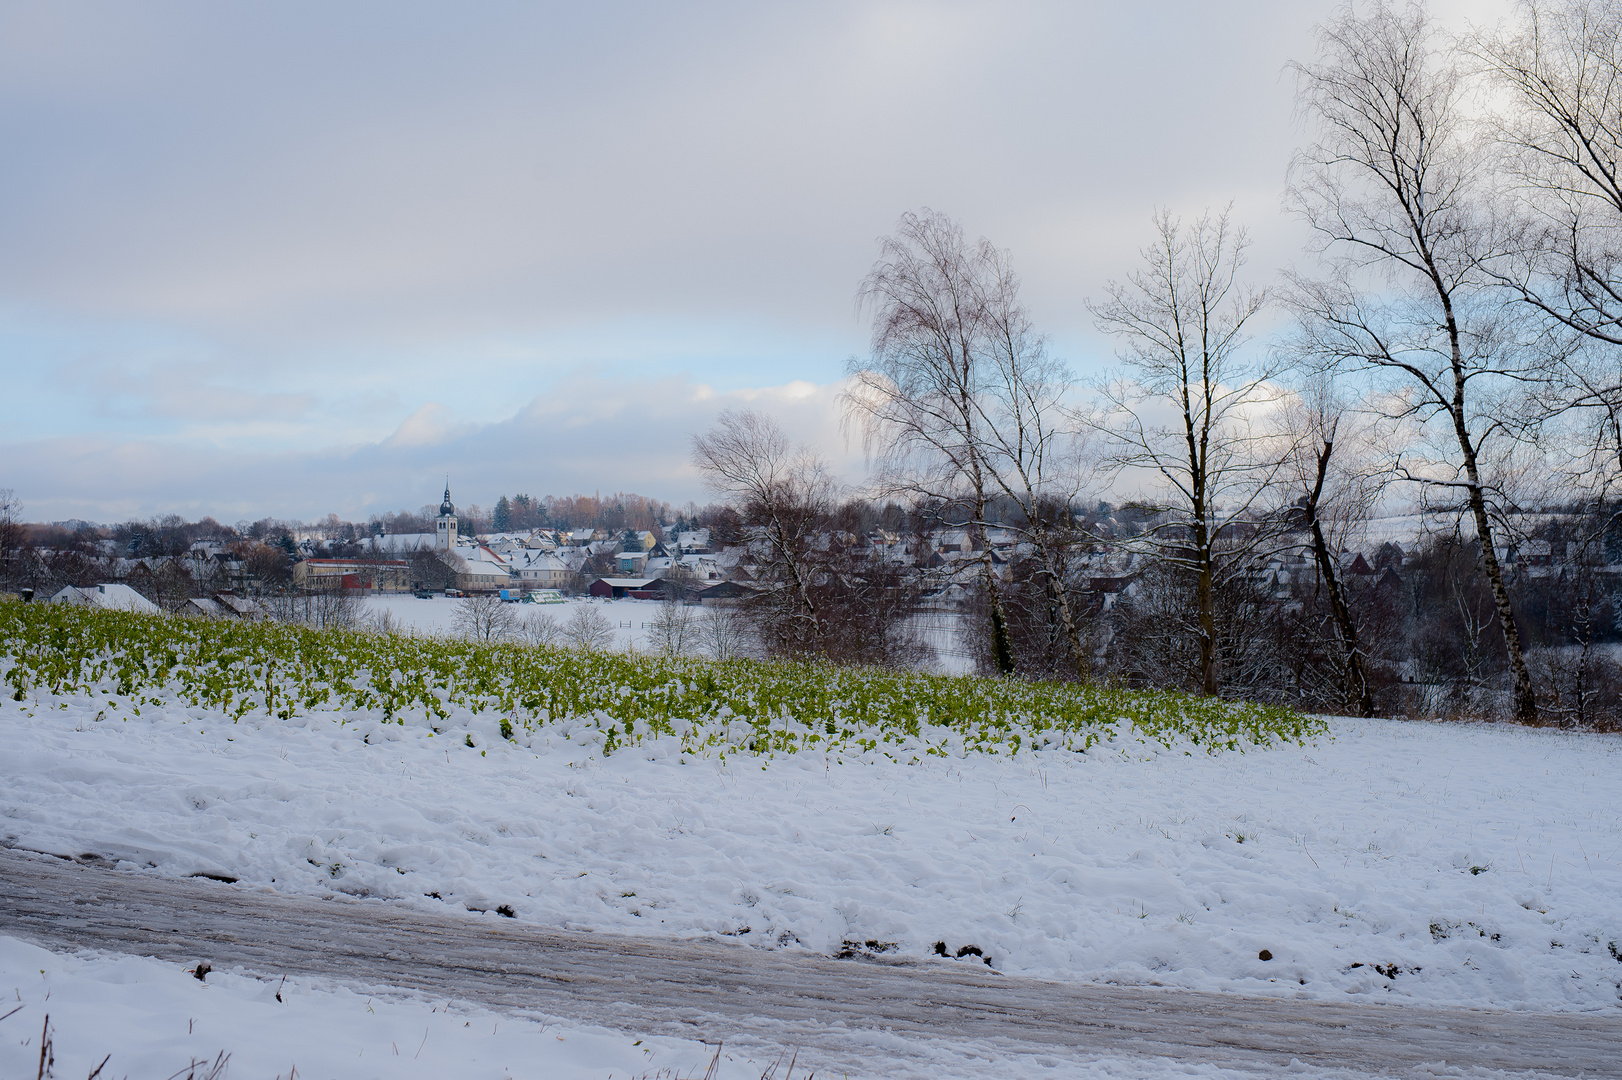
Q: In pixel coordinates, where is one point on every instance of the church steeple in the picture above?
(445, 530)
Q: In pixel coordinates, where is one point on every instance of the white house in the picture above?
(111, 597)
(544, 571)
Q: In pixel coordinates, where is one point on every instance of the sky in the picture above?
(296, 259)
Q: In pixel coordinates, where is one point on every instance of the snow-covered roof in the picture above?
(113, 597)
(405, 541)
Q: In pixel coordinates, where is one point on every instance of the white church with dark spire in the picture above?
(445, 523)
(445, 536)
(466, 564)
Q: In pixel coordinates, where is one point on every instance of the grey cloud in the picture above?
(432, 170)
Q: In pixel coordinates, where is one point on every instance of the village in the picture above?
(935, 575)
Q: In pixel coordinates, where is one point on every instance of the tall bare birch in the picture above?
(917, 398)
(1393, 191)
(1181, 414)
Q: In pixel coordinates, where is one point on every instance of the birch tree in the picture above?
(1034, 457)
(784, 493)
(1393, 190)
(1330, 473)
(1181, 413)
(917, 399)
(1559, 73)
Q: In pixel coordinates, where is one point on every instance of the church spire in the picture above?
(445, 527)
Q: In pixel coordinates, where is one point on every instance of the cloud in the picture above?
(244, 263)
(430, 425)
(593, 434)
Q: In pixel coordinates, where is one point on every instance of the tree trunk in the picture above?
(1205, 601)
(1526, 706)
(1067, 618)
(1354, 682)
(1002, 652)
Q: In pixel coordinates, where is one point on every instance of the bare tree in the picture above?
(918, 397)
(382, 621)
(1560, 73)
(1393, 191)
(673, 631)
(1335, 490)
(723, 633)
(11, 535)
(1034, 458)
(324, 609)
(1183, 412)
(485, 617)
(589, 629)
(540, 628)
(784, 494)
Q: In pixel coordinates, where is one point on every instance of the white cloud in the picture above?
(593, 434)
(247, 265)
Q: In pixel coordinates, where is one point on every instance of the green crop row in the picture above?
(278, 671)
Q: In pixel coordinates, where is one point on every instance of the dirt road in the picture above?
(719, 990)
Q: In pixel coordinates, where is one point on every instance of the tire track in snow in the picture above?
(721, 990)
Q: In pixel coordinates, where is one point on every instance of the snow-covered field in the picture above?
(628, 618)
(1453, 865)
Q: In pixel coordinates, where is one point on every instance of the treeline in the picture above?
(1451, 341)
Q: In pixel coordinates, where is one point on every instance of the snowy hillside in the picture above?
(1446, 864)
(1092, 836)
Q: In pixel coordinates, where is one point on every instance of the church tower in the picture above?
(445, 537)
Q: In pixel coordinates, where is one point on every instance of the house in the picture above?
(543, 571)
(383, 575)
(220, 606)
(239, 606)
(696, 541)
(715, 591)
(108, 597)
(1356, 565)
(631, 562)
(1536, 553)
(202, 607)
(480, 570)
(627, 588)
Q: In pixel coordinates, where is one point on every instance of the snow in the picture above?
(1484, 862)
(438, 615)
(153, 1019)
(629, 620)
